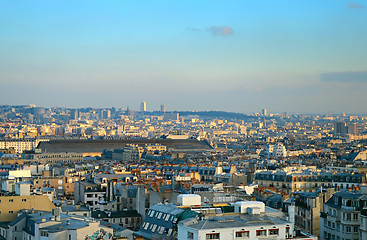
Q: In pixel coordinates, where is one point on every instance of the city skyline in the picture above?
(235, 56)
(163, 109)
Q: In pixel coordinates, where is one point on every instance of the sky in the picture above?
(306, 56)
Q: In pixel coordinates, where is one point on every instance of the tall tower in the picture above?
(264, 112)
(163, 108)
(143, 107)
(74, 114)
(341, 128)
(352, 128)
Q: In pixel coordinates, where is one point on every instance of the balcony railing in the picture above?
(348, 208)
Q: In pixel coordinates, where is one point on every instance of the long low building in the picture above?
(53, 157)
(94, 147)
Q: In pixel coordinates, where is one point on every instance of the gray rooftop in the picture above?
(167, 208)
(91, 146)
(241, 220)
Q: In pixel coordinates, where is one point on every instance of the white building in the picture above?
(249, 222)
(19, 145)
(51, 226)
(189, 199)
(279, 151)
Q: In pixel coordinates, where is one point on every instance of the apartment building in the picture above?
(307, 179)
(54, 225)
(308, 206)
(11, 205)
(342, 218)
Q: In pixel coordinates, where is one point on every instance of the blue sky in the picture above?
(286, 56)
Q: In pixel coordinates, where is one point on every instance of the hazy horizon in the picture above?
(234, 56)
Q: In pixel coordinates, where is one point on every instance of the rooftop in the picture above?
(91, 146)
(240, 220)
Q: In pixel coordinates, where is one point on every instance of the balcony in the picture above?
(347, 221)
(350, 209)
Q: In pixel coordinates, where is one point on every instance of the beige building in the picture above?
(11, 205)
(54, 182)
(308, 206)
(155, 147)
(69, 185)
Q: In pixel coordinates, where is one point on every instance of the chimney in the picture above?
(56, 214)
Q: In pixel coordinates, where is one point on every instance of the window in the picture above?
(152, 213)
(243, 234)
(11, 200)
(273, 232)
(212, 236)
(10, 211)
(355, 229)
(159, 215)
(190, 235)
(24, 200)
(154, 227)
(146, 226)
(260, 232)
(167, 217)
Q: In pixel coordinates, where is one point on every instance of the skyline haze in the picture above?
(234, 56)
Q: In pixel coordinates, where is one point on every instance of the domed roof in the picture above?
(8, 155)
